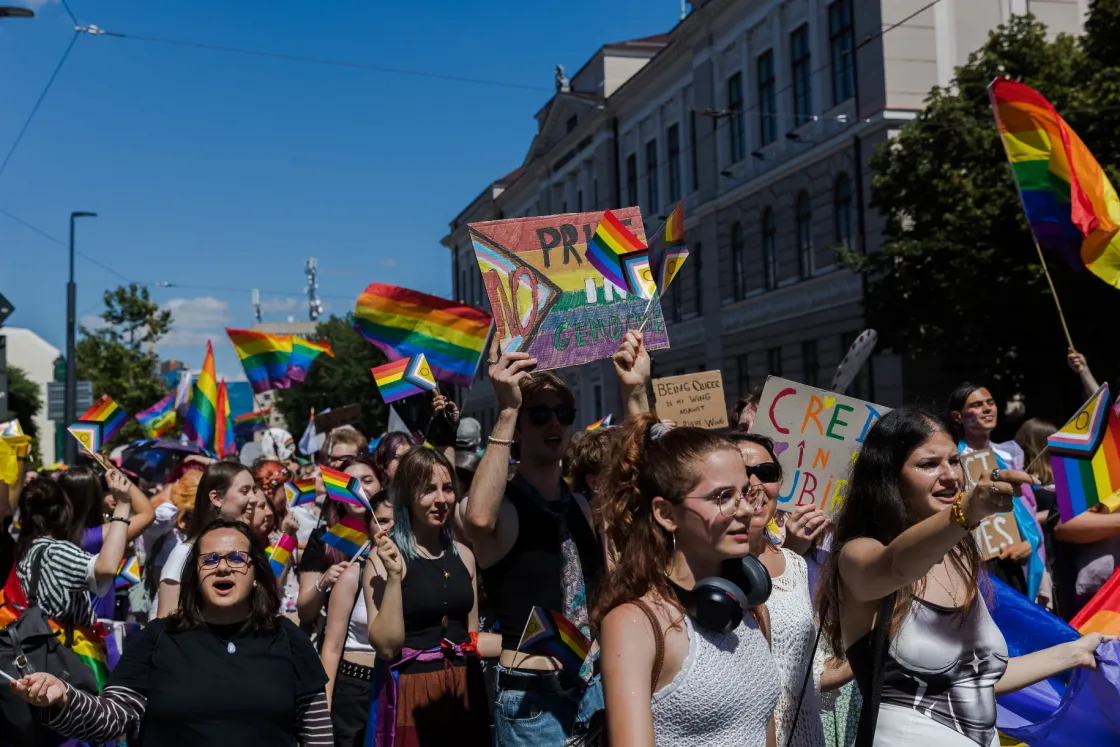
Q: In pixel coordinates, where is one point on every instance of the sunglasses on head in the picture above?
(767, 472)
(542, 414)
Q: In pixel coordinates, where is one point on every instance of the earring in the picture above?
(672, 555)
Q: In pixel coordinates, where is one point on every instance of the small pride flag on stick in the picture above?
(300, 492)
(551, 634)
(348, 535)
(621, 257)
(344, 488)
(404, 378)
(280, 554)
(128, 573)
(99, 424)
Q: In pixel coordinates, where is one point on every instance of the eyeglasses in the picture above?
(542, 414)
(767, 472)
(236, 560)
(728, 500)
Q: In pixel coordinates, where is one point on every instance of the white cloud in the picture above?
(36, 4)
(91, 322)
(188, 338)
(389, 262)
(281, 305)
(205, 312)
(230, 378)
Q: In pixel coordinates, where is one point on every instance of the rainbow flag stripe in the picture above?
(348, 535)
(404, 378)
(223, 428)
(99, 424)
(128, 573)
(603, 422)
(159, 418)
(405, 323)
(264, 357)
(1102, 613)
(610, 248)
(551, 634)
(344, 488)
(300, 492)
(1085, 457)
(667, 251)
(280, 554)
(1072, 207)
(304, 353)
(202, 413)
(251, 422)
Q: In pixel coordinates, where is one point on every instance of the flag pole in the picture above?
(1054, 293)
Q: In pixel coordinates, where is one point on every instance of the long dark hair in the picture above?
(414, 474)
(956, 401)
(217, 478)
(264, 614)
(86, 490)
(45, 511)
(876, 508)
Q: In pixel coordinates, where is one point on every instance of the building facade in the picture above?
(762, 116)
(38, 359)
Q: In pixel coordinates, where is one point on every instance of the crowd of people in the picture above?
(715, 618)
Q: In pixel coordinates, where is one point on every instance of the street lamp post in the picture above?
(70, 404)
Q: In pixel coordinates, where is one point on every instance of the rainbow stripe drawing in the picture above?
(1085, 457)
(99, 424)
(404, 378)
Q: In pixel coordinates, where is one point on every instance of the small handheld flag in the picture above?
(348, 535)
(1085, 457)
(404, 378)
(159, 418)
(251, 422)
(344, 488)
(128, 573)
(99, 424)
(551, 634)
(620, 256)
(300, 492)
(603, 422)
(280, 554)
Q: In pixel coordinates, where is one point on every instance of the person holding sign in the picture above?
(900, 597)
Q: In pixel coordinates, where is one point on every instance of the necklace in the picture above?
(946, 588)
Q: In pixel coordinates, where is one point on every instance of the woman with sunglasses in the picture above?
(225, 669)
(676, 504)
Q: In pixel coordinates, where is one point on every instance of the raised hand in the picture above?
(507, 371)
(631, 361)
(119, 485)
(989, 497)
(806, 523)
(441, 404)
(330, 578)
(390, 556)
(1082, 652)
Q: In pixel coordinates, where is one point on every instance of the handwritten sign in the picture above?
(817, 435)
(998, 530)
(547, 298)
(693, 400)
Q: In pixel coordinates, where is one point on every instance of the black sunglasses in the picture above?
(767, 472)
(541, 414)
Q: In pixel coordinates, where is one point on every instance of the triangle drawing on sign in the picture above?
(1081, 436)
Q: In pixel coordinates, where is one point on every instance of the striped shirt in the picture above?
(66, 579)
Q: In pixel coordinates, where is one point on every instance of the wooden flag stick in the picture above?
(1034, 461)
(1054, 293)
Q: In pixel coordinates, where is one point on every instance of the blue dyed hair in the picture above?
(414, 474)
(386, 449)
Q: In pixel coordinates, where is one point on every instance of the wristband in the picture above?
(499, 441)
(118, 518)
(958, 514)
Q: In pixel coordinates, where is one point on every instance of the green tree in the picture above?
(334, 382)
(959, 280)
(119, 357)
(25, 402)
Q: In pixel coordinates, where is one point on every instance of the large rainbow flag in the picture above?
(264, 357)
(304, 353)
(404, 323)
(223, 427)
(159, 418)
(202, 413)
(1072, 207)
(1085, 457)
(621, 257)
(1102, 613)
(252, 422)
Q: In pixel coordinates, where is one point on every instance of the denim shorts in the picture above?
(546, 715)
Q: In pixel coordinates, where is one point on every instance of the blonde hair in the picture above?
(1031, 437)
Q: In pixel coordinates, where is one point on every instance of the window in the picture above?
(862, 386)
(738, 261)
(769, 249)
(843, 217)
(804, 218)
(799, 64)
(674, 136)
(597, 393)
(572, 122)
(579, 200)
(774, 361)
(564, 206)
(810, 364)
(841, 43)
(676, 306)
(632, 179)
(652, 196)
(742, 375)
(595, 193)
(694, 258)
(738, 130)
(767, 99)
(693, 160)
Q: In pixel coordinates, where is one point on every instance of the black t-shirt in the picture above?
(314, 558)
(201, 694)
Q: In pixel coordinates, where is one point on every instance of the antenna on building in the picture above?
(257, 305)
(314, 305)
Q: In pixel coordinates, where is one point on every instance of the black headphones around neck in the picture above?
(718, 604)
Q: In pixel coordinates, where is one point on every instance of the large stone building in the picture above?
(762, 115)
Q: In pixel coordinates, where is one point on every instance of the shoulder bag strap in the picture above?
(658, 642)
(32, 593)
(880, 642)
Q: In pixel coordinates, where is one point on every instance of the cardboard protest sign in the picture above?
(547, 298)
(998, 530)
(693, 399)
(338, 417)
(817, 435)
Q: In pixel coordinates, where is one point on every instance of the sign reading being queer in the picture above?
(548, 300)
(817, 435)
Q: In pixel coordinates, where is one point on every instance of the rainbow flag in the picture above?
(99, 424)
(1102, 613)
(621, 257)
(344, 488)
(1071, 206)
(223, 428)
(251, 422)
(280, 554)
(404, 323)
(159, 418)
(128, 573)
(200, 423)
(404, 378)
(668, 252)
(304, 353)
(603, 422)
(1085, 457)
(265, 358)
(348, 535)
(300, 492)
(551, 634)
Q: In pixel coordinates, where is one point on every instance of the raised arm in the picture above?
(1080, 367)
(116, 533)
(1090, 526)
(384, 603)
(632, 367)
(143, 514)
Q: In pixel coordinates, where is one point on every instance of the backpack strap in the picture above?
(658, 643)
(880, 642)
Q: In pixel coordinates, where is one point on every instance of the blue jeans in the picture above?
(546, 716)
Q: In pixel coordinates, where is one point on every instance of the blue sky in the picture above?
(221, 172)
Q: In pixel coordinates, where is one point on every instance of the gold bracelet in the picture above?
(499, 441)
(958, 514)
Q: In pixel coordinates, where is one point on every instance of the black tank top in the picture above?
(437, 597)
(529, 575)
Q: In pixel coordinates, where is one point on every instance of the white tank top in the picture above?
(357, 629)
(724, 694)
